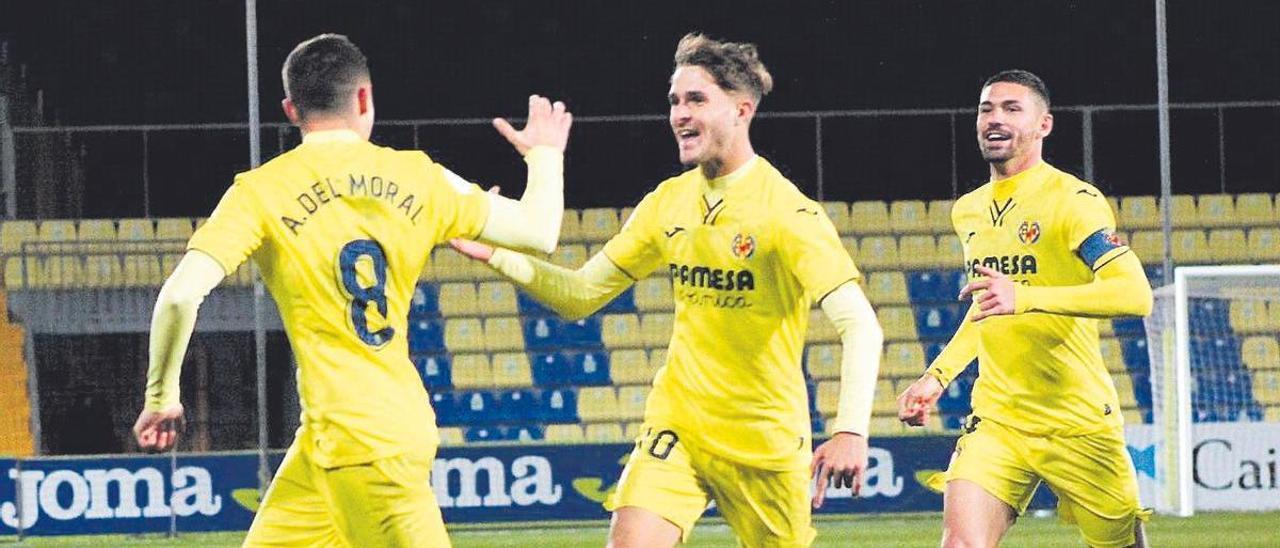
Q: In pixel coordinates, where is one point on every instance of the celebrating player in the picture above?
(340, 229)
(747, 255)
(1043, 261)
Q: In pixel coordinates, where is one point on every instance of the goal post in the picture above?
(1199, 372)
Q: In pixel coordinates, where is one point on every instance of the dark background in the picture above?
(162, 62)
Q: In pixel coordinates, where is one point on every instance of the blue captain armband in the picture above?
(1097, 245)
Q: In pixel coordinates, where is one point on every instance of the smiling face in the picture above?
(705, 119)
(1012, 124)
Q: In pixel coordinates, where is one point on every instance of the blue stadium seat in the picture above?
(530, 307)
(446, 407)
(939, 322)
(532, 432)
(436, 370)
(1128, 327)
(479, 407)
(1155, 273)
(548, 332)
(1216, 353)
(624, 302)
(517, 406)
(931, 351)
(584, 333)
(1141, 380)
(927, 287)
(952, 421)
(589, 368)
(1135, 355)
(955, 400)
(481, 434)
(550, 368)
(426, 335)
(1208, 316)
(1222, 387)
(558, 406)
(425, 302)
(818, 425)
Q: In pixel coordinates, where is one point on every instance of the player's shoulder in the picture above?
(972, 200)
(1066, 183)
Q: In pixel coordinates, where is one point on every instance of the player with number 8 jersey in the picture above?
(341, 229)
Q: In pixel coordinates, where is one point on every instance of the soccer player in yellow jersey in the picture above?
(747, 255)
(341, 229)
(1044, 264)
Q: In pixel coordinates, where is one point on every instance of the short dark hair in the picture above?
(735, 66)
(321, 73)
(1022, 78)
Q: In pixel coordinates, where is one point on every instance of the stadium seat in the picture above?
(1255, 209)
(451, 436)
(497, 299)
(427, 335)
(589, 368)
(623, 302)
(656, 330)
(1228, 245)
(1114, 202)
(1190, 247)
(1112, 356)
(885, 400)
(571, 227)
(502, 335)
(445, 405)
(463, 335)
(905, 360)
(1135, 354)
(134, 230)
(595, 248)
(1139, 212)
(918, 251)
(57, 231)
(950, 252)
(624, 214)
(1249, 316)
(658, 357)
(878, 253)
(850, 245)
(1184, 211)
(621, 331)
(828, 397)
(838, 212)
(630, 367)
(821, 330)
(1215, 210)
(550, 367)
(631, 401)
(1266, 387)
(654, 294)
(939, 322)
(565, 433)
(1148, 245)
(599, 224)
(471, 371)
(598, 403)
(631, 431)
(886, 287)
(609, 432)
(458, 299)
(930, 286)
(909, 217)
(449, 266)
(436, 370)
(15, 233)
(526, 433)
(898, 323)
(559, 405)
(1260, 353)
(517, 405)
(425, 302)
(173, 229)
(870, 217)
(570, 256)
(97, 230)
(940, 216)
(1264, 244)
(511, 369)
(823, 361)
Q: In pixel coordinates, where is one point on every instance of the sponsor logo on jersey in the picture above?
(1005, 264)
(712, 278)
(744, 246)
(1029, 232)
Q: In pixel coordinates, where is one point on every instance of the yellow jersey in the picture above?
(1041, 373)
(341, 229)
(745, 271)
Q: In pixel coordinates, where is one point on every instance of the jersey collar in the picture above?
(331, 136)
(1030, 175)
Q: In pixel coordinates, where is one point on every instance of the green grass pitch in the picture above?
(907, 530)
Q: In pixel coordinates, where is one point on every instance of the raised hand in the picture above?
(842, 458)
(158, 430)
(917, 401)
(548, 125)
(997, 297)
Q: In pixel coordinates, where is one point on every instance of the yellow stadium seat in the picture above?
(571, 226)
(950, 252)
(472, 371)
(654, 294)
(902, 360)
(608, 432)
(564, 433)
(898, 323)
(888, 287)
(136, 229)
(878, 253)
(1148, 245)
(658, 357)
(885, 400)
(1190, 247)
(1255, 209)
(1131, 416)
(621, 331)
(850, 244)
(102, 269)
(14, 275)
(656, 330)
(449, 266)
(1260, 353)
(599, 224)
(1215, 210)
(597, 403)
(570, 256)
(631, 431)
(451, 436)
(178, 229)
(503, 334)
(630, 367)
(57, 231)
(1114, 202)
(884, 425)
(1272, 414)
(596, 248)
(458, 299)
(940, 216)
(1228, 245)
(141, 269)
(828, 397)
(1249, 316)
(1105, 328)
(1266, 387)
(1264, 244)
(824, 361)
(821, 330)
(869, 218)
(1184, 211)
(918, 251)
(497, 299)
(511, 369)
(97, 230)
(1124, 389)
(624, 214)
(1111, 355)
(1139, 212)
(631, 400)
(464, 335)
(838, 212)
(909, 217)
(15, 233)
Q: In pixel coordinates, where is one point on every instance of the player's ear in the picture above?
(364, 99)
(1046, 125)
(290, 111)
(746, 109)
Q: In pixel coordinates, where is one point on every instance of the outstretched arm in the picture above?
(917, 401)
(1119, 288)
(573, 294)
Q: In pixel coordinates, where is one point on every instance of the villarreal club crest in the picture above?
(744, 245)
(1029, 232)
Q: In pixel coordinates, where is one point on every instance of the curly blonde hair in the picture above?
(735, 66)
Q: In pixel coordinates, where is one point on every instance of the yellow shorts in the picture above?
(668, 477)
(1091, 475)
(387, 502)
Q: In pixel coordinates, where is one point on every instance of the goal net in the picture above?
(1214, 364)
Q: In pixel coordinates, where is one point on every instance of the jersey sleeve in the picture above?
(1090, 227)
(235, 229)
(460, 208)
(810, 248)
(636, 249)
